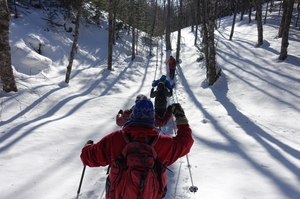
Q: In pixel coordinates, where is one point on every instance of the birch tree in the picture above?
(75, 41)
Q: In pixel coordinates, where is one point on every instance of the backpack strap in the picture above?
(126, 137)
(154, 139)
(162, 81)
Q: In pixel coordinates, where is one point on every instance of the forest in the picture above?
(156, 18)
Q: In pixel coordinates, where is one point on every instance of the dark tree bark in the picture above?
(152, 27)
(193, 16)
(212, 73)
(283, 18)
(114, 19)
(197, 13)
(204, 17)
(281, 5)
(15, 9)
(298, 9)
(6, 71)
(233, 20)
(258, 8)
(267, 7)
(243, 10)
(132, 20)
(168, 28)
(250, 11)
(287, 13)
(110, 34)
(179, 31)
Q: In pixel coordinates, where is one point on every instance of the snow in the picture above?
(246, 126)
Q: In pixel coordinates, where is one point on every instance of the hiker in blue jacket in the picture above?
(163, 79)
(160, 101)
(163, 91)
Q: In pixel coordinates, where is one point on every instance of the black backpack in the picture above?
(161, 98)
(160, 86)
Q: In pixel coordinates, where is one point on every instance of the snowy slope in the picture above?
(245, 127)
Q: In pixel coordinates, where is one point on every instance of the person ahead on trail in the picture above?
(172, 66)
(160, 101)
(123, 116)
(124, 179)
(164, 80)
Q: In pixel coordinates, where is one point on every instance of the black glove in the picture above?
(120, 111)
(178, 112)
(89, 142)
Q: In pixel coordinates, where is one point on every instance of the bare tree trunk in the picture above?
(6, 71)
(258, 7)
(114, 20)
(16, 11)
(152, 27)
(283, 18)
(233, 20)
(168, 28)
(298, 9)
(281, 5)
(110, 34)
(243, 9)
(285, 34)
(193, 16)
(132, 20)
(74, 46)
(204, 17)
(133, 46)
(197, 13)
(265, 19)
(212, 74)
(179, 31)
(250, 10)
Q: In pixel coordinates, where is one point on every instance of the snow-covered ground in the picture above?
(246, 126)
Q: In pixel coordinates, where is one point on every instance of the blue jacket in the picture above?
(162, 79)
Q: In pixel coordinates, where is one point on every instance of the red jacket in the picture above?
(109, 148)
(158, 121)
(172, 63)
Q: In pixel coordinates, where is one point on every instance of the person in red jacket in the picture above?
(141, 121)
(172, 66)
(159, 121)
(123, 116)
